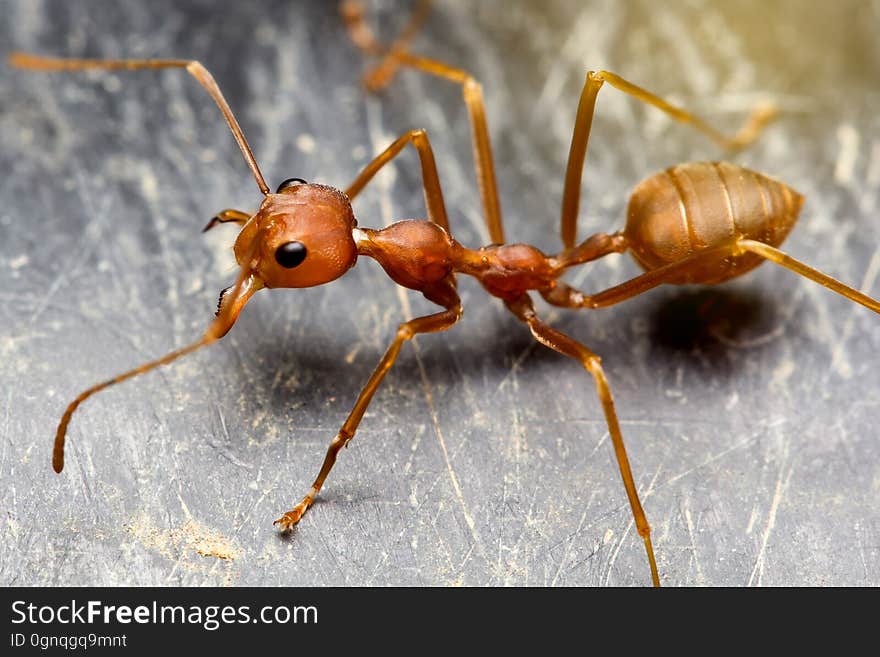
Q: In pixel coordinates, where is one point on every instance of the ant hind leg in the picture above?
(568, 297)
(580, 137)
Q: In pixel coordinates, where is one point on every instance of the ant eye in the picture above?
(290, 254)
(290, 182)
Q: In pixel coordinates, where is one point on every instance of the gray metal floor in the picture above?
(750, 410)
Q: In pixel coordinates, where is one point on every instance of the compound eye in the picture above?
(290, 182)
(290, 254)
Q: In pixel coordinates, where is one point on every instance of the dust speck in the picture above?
(186, 544)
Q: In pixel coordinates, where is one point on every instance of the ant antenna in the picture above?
(194, 68)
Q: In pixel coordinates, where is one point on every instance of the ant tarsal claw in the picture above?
(289, 519)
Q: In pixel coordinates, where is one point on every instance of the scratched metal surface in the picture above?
(750, 410)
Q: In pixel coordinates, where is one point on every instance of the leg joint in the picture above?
(405, 332)
(341, 440)
(593, 364)
(597, 77)
(195, 67)
(471, 86)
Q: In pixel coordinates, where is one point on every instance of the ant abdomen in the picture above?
(690, 207)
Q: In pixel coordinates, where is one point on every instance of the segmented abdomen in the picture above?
(676, 213)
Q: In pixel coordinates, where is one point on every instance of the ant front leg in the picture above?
(444, 294)
(558, 341)
(397, 55)
(580, 138)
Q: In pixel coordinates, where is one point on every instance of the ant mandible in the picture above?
(699, 222)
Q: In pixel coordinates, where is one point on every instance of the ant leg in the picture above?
(473, 98)
(446, 296)
(231, 303)
(430, 179)
(785, 260)
(353, 14)
(594, 247)
(558, 341)
(677, 272)
(584, 120)
(227, 216)
(194, 68)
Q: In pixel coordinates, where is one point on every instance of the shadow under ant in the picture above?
(711, 320)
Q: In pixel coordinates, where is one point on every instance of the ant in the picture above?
(698, 222)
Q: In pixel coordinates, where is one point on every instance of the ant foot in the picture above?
(289, 519)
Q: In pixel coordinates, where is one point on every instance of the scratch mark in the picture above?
(825, 328)
(701, 578)
(453, 477)
(184, 507)
(838, 362)
(781, 487)
(518, 435)
(753, 517)
(83, 250)
(848, 137)
(599, 444)
(711, 459)
(224, 450)
(862, 553)
(872, 177)
(515, 365)
(571, 538)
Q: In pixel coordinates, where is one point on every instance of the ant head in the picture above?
(305, 236)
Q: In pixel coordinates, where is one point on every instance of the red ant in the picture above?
(702, 222)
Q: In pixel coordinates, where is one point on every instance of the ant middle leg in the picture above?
(568, 346)
(580, 138)
(430, 179)
(443, 294)
(677, 272)
(397, 55)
